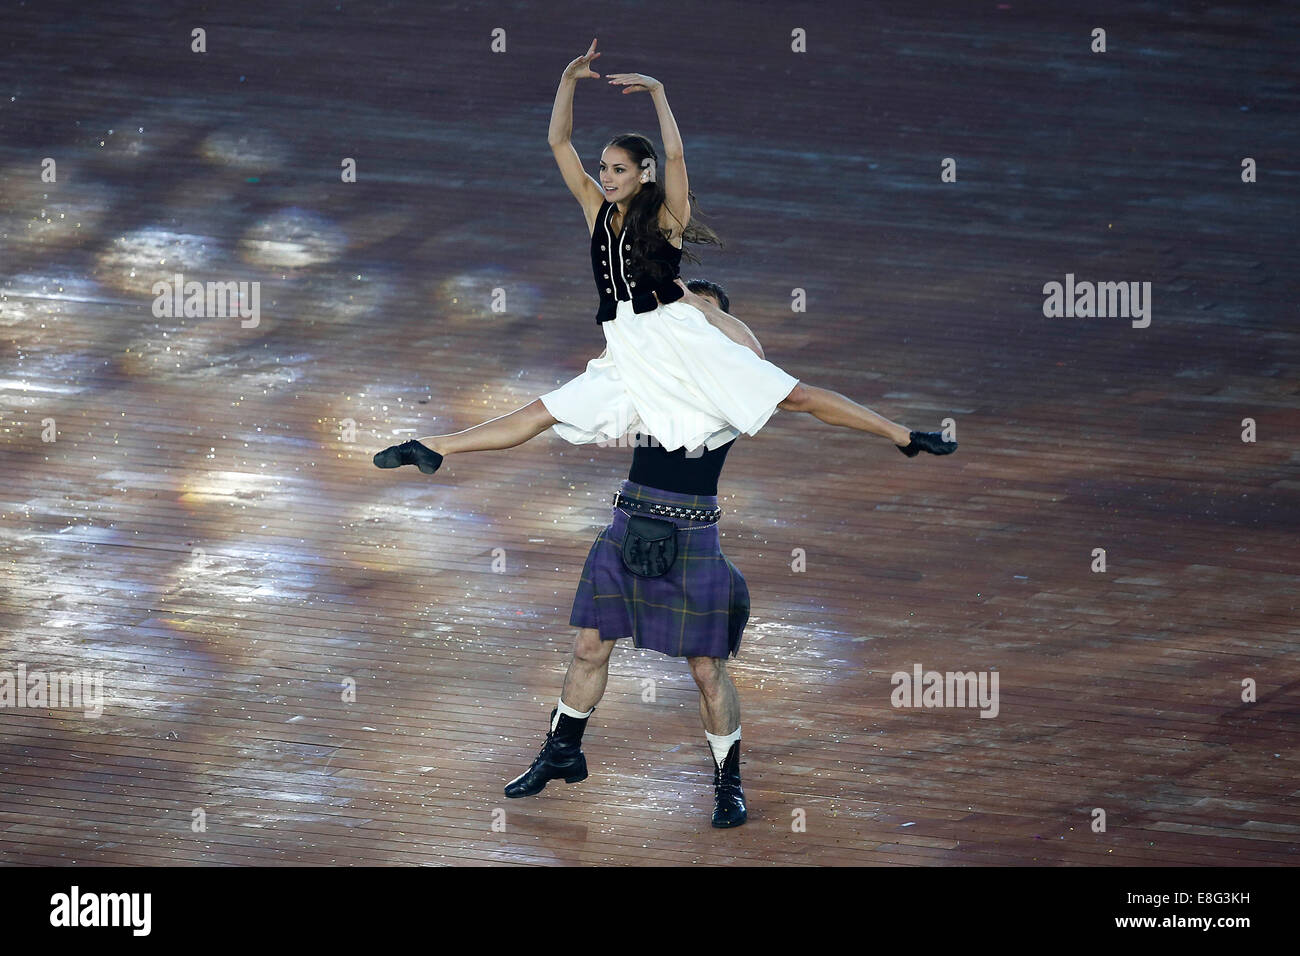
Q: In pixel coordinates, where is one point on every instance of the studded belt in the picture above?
(668, 511)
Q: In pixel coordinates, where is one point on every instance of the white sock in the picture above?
(566, 709)
(721, 746)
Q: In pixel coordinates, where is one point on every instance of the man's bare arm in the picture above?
(724, 322)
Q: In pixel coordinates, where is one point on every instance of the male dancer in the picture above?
(684, 474)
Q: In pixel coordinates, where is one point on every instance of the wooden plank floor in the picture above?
(205, 534)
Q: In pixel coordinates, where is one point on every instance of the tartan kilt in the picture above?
(698, 608)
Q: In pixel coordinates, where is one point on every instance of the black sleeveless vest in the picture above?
(615, 277)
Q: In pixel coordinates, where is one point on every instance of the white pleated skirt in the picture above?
(671, 375)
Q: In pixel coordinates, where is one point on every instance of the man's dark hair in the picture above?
(704, 286)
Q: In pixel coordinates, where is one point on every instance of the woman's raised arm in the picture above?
(585, 189)
(676, 186)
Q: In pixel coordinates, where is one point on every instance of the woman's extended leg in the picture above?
(835, 409)
(504, 432)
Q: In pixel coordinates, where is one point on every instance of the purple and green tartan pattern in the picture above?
(699, 608)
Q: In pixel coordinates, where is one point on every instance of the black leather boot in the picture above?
(728, 799)
(409, 453)
(927, 441)
(561, 756)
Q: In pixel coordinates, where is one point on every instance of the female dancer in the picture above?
(668, 370)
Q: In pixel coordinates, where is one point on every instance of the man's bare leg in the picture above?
(719, 702)
(584, 685)
(720, 711)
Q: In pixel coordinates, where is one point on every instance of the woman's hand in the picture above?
(635, 82)
(580, 68)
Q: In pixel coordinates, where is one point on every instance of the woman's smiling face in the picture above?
(619, 175)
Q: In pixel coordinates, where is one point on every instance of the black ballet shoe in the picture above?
(409, 453)
(927, 441)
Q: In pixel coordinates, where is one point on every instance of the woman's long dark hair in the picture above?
(643, 213)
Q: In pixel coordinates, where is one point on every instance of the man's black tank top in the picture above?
(674, 471)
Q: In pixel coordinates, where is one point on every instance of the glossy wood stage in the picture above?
(208, 533)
